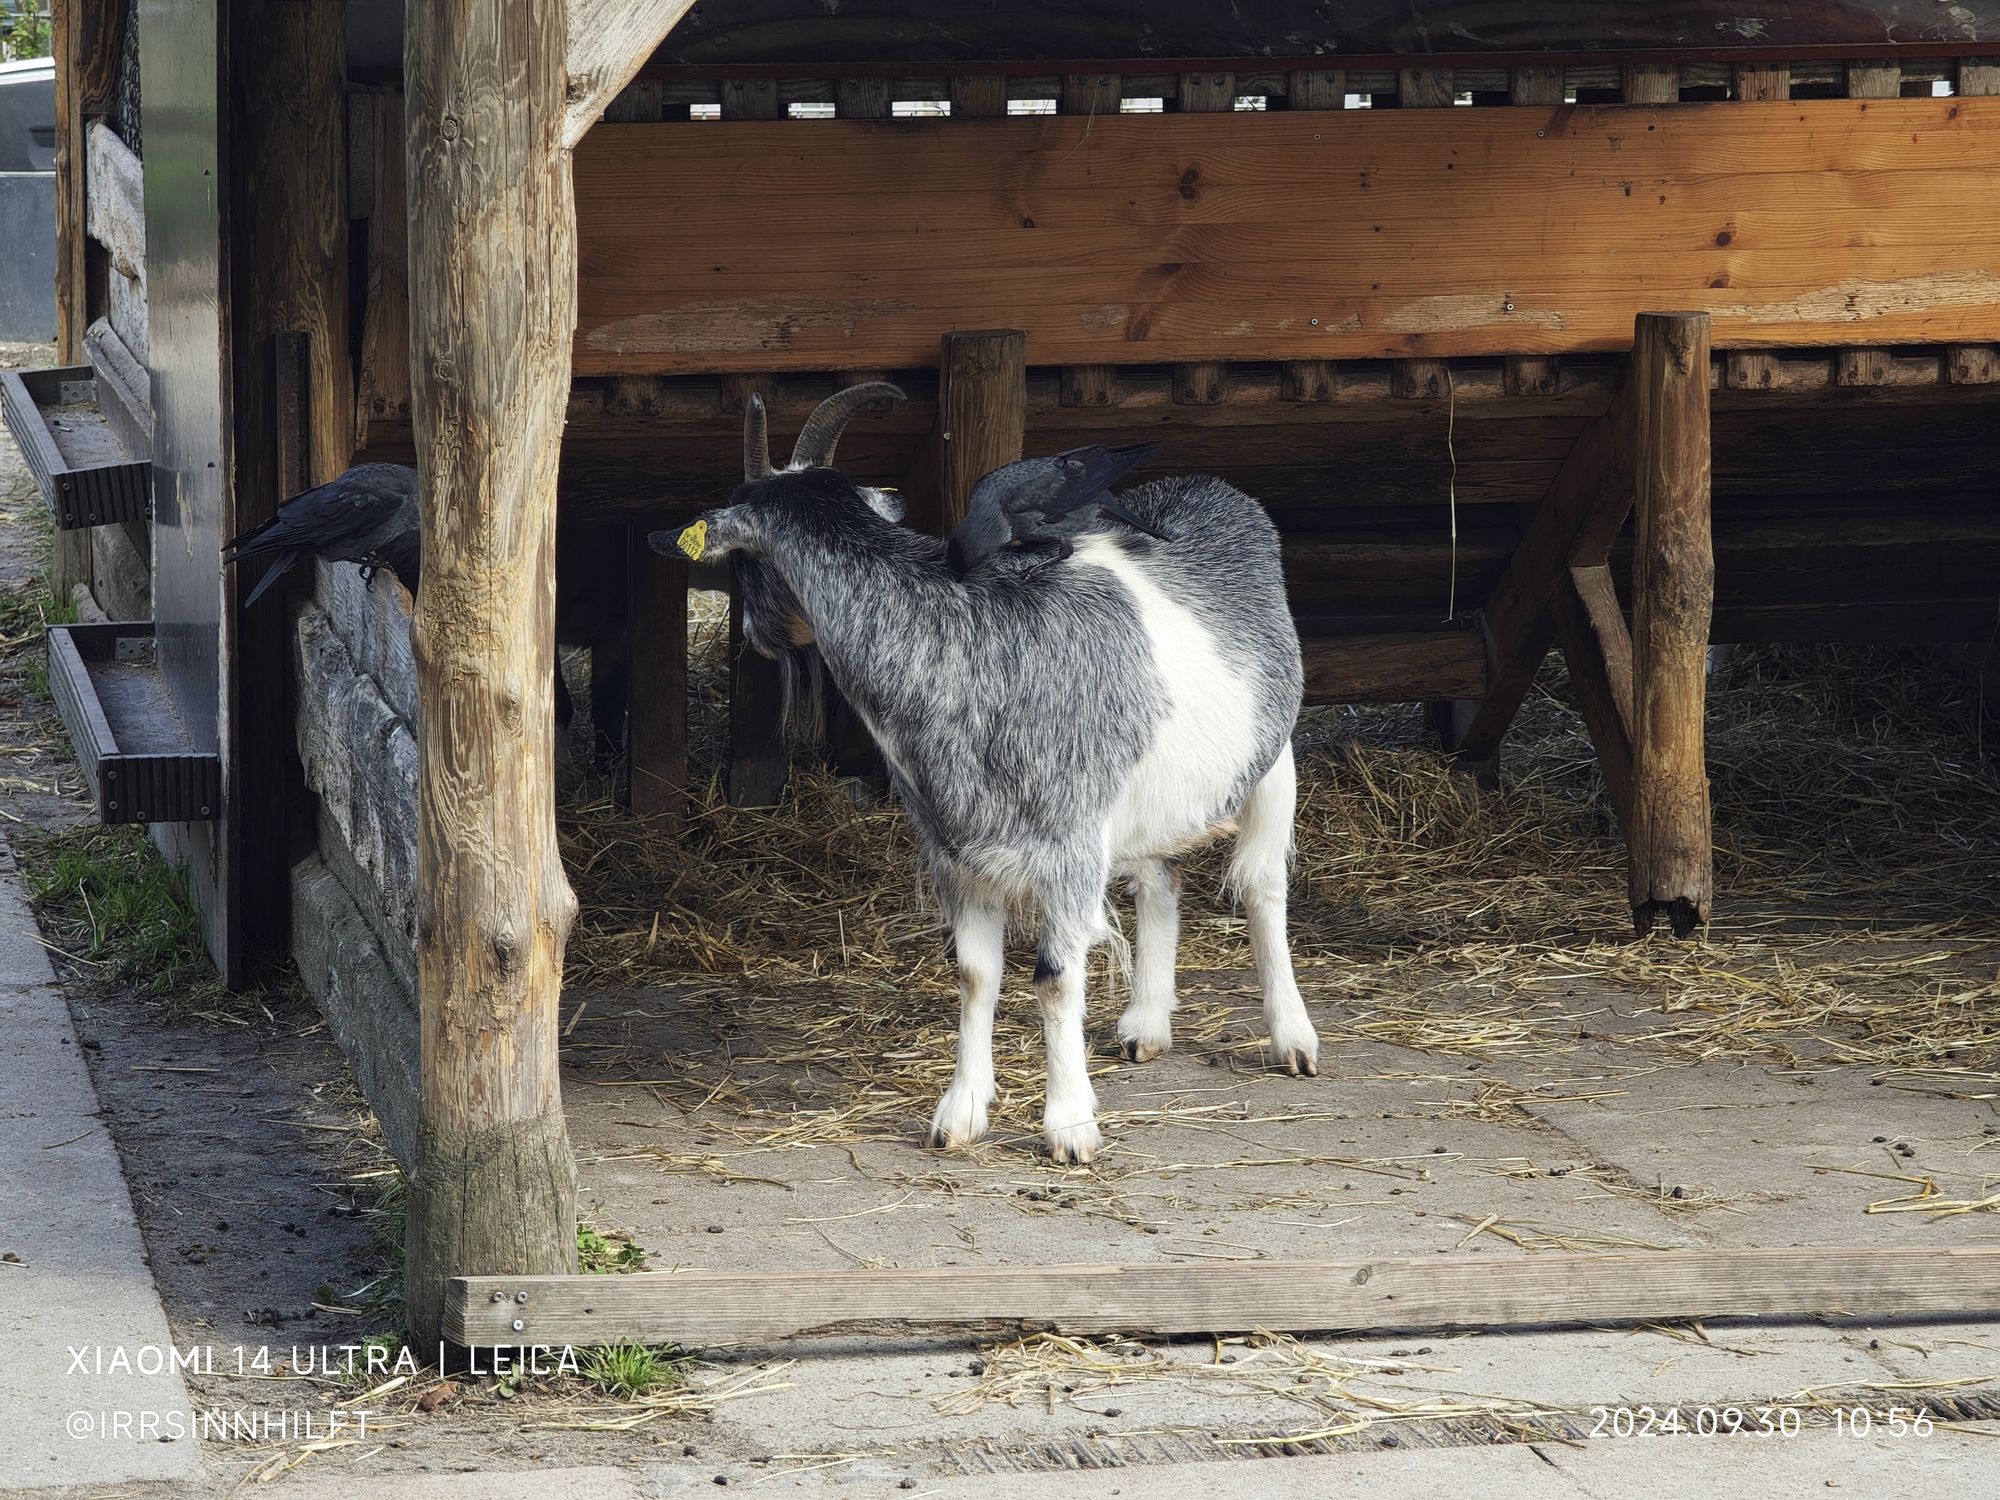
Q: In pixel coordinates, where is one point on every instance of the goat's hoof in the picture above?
(1297, 1050)
(1141, 1041)
(960, 1119)
(1072, 1145)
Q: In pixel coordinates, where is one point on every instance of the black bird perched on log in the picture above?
(1037, 502)
(369, 515)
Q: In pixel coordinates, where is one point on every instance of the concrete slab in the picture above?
(326, 1481)
(75, 1277)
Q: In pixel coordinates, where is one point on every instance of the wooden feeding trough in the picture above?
(1593, 335)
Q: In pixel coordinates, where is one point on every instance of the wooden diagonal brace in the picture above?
(1574, 526)
(609, 42)
(1597, 649)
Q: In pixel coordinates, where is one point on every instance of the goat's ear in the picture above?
(888, 504)
(714, 537)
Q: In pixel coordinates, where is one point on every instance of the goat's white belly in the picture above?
(1204, 743)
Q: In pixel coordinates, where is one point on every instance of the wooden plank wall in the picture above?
(1185, 238)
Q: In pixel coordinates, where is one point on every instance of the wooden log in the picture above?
(1673, 590)
(383, 391)
(695, 1309)
(657, 718)
(608, 42)
(978, 96)
(493, 280)
(1443, 664)
(982, 412)
(1597, 650)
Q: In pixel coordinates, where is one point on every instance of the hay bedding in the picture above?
(1857, 828)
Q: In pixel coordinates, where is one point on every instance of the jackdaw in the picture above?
(369, 515)
(1044, 502)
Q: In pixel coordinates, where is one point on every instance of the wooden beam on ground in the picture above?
(696, 1309)
(493, 281)
(1443, 664)
(609, 41)
(1673, 590)
(982, 412)
(1573, 526)
(1597, 651)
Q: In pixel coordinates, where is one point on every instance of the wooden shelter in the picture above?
(1519, 328)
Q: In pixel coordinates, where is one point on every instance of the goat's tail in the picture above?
(1264, 829)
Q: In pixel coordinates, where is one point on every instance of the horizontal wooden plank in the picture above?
(700, 1308)
(1352, 234)
(1395, 669)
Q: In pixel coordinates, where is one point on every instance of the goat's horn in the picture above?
(756, 440)
(830, 418)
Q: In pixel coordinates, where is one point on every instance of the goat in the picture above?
(1047, 727)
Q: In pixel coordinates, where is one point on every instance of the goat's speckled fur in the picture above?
(1049, 726)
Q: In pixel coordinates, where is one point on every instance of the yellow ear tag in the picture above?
(693, 540)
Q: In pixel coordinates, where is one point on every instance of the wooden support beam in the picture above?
(657, 718)
(1761, 82)
(1597, 650)
(1652, 83)
(758, 762)
(1755, 83)
(1540, 84)
(1317, 88)
(69, 23)
(1673, 589)
(982, 413)
(1425, 88)
(751, 99)
(493, 304)
(1858, 365)
(1090, 94)
(1087, 385)
(1203, 382)
(383, 391)
(978, 96)
(1206, 93)
(1444, 664)
(864, 98)
(608, 42)
(1573, 526)
(699, 1308)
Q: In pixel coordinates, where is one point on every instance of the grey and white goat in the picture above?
(1047, 727)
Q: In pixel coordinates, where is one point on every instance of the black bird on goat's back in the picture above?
(1047, 502)
(368, 515)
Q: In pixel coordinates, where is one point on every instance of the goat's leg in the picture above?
(979, 933)
(1145, 1030)
(1069, 1111)
(1260, 873)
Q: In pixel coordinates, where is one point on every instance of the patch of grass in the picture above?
(109, 902)
(607, 1252)
(630, 1370)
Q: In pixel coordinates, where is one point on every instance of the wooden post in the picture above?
(656, 719)
(493, 313)
(982, 412)
(978, 96)
(72, 552)
(1673, 588)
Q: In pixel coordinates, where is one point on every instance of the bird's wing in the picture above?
(335, 517)
(276, 571)
(1039, 497)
